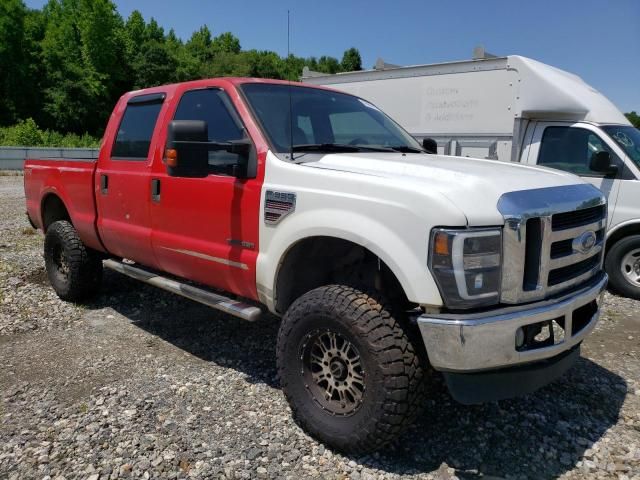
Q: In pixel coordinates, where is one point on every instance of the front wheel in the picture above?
(623, 266)
(74, 271)
(348, 369)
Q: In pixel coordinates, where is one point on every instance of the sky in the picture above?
(599, 40)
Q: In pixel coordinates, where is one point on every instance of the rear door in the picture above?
(122, 180)
(569, 147)
(206, 229)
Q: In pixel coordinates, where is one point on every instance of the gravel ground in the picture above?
(144, 384)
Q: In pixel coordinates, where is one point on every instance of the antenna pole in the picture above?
(289, 78)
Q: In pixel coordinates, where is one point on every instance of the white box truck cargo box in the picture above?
(477, 107)
(517, 109)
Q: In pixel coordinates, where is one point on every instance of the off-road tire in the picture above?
(614, 265)
(74, 271)
(393, 373)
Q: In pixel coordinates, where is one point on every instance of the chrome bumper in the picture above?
(482, 341)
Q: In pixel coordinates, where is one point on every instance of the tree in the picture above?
(634, 118)
(153, 65)
(134, 30)
(12, 60)
(226, 42)
(152, 57)
(199, 45)
(351, 60)
(82, 50)
(29, 96)
(186, 66)
(264, 64)
(328, 65)
(153, 31)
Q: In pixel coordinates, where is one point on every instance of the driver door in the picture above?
(206, 229)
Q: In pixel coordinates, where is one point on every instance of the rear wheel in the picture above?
(623, 266)
(349, 371)
(74, 271)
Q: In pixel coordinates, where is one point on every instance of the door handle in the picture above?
(104, 184)
(155, 189)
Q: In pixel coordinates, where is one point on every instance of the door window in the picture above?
(571, 149)
(136, 129)
(224, 125)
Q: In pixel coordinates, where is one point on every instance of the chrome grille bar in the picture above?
(574, 281)
(575, 257)
(575, 232)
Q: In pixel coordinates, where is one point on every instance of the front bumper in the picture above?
(465, 343)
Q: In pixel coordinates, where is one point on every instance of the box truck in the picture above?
(517, 109)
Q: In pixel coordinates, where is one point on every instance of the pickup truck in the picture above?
(385, 263)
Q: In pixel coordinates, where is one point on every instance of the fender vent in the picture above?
(278, 205)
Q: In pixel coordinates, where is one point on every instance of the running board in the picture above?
(214, 300)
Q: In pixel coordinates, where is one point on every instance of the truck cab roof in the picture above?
(207, 82)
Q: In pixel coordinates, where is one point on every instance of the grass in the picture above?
(10, 173)
(28, 231)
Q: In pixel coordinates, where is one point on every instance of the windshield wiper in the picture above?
(406, 149)
(337, 147)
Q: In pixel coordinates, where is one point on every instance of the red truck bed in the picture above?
(73, 182)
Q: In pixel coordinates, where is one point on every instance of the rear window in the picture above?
(136, 128)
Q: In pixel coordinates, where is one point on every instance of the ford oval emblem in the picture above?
(585, 242)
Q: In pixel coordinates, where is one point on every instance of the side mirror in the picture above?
(188, 148)
(601, 163)
(430, 145)
(187, 154)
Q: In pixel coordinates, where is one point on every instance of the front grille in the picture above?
(566, 220)
(546, 251)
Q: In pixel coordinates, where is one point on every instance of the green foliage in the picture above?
(634, 118)
(64, 66)
(328, 64)
(351, 60)
(24, 133)
(81, 52)
(20, 30)
(27, 133)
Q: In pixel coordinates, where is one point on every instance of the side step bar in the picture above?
(214, 300)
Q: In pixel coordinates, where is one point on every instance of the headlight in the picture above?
(467, 266)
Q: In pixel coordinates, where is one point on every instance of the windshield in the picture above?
(323, 121)
(628, 138)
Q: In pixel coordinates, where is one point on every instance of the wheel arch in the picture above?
(308, 263)
(52, 209)
(621, 231)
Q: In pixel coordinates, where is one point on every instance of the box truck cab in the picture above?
(519, 110)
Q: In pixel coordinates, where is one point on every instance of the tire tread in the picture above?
(85, 265)
(399, 361)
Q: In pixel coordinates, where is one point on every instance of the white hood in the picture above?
(472, 185)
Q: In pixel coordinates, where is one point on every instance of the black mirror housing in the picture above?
(188, 148)
(189, 139)
(601, 163)
(430, 145)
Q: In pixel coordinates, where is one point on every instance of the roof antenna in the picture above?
(289, 79)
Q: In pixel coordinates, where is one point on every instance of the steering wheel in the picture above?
(359, 141)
